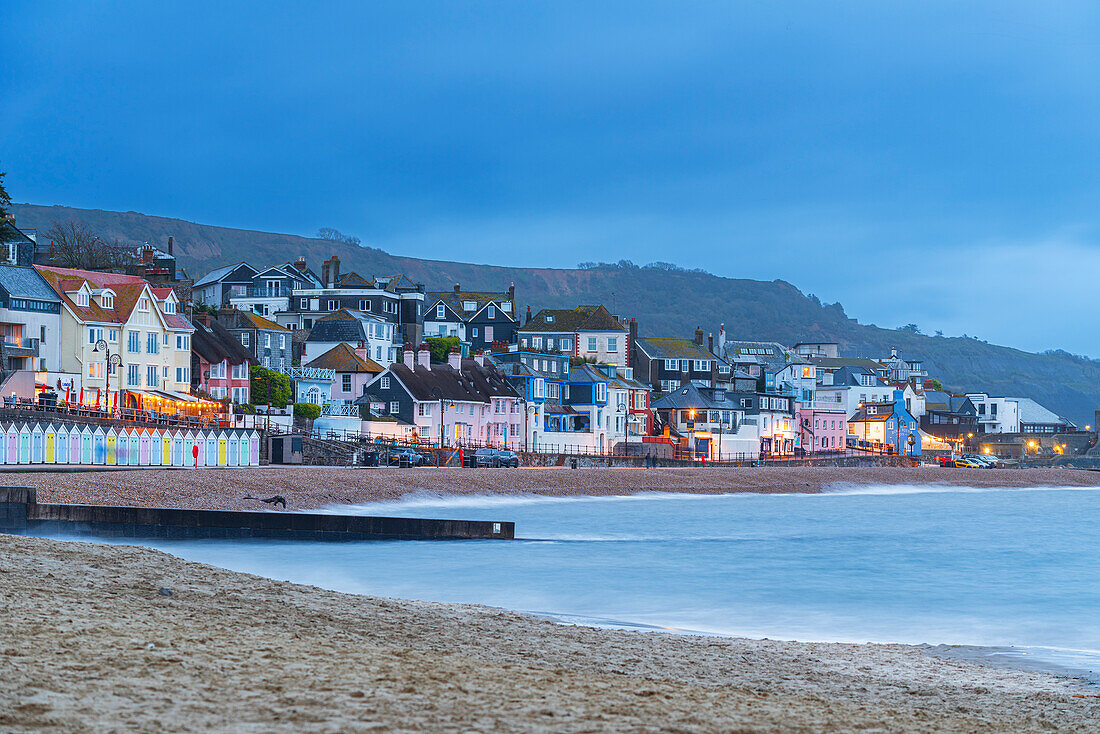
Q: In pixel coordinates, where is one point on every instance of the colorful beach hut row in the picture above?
(25, 443)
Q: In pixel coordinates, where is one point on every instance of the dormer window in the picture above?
(108, 301)
(169, 307)
(82, 299)
(506, 307)
(440, 311)
(469, 305)
(549, 318)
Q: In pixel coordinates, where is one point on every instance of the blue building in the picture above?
(885, 427)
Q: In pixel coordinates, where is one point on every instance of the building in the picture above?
(271, 345)
(483, 320)
(903, 370)
(218, 286)
(30, 321)
(821, 426)
(710, 422)
(850, 388)
(1035, 419)
(540, 379)
(828, 350)
(392, 298)
(462, 402)
(18, 246)
(271, 289)
(666, 363)
(996, 415)
(885, 427)
(358, 329)
(150, 342)
(587, 332)
(219, 363)
(951, 418)
(352, 370)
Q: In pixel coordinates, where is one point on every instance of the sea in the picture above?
(1006, 576)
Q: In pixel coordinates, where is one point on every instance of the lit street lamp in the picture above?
(116, 360)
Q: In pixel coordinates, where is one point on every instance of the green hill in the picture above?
(666, 302)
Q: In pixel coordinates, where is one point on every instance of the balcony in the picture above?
(17, 347)
(253, 292)
(990, 418)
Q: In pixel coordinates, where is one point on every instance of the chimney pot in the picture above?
(424, 356)
(454, 359)
(408, 357)
(699, 336)
(457, 288)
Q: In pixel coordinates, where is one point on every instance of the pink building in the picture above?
(821, 428)
(353, 367)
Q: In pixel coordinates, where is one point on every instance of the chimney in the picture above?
(480, 358)
(424, 357)
(324, 274)
(632, 340)
(409, 357)
(300, 264)
(169, 245)
(334, 272)
(713, 371)
(528, 314)
(146, 253)
(457, 288)
(698, 336)
(512, 292)
(710, 343)
(894, 353)
(454, 359)
(204, 317)
(363, 351)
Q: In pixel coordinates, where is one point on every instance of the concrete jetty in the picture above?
(21, 513)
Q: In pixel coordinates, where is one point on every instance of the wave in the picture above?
(849, 490)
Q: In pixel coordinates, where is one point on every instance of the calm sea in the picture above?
(1014, 572)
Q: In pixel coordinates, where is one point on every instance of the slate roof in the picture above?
(691, 396)
(214, 343)
(260, 322)
(342, 358)
(1033, 412)
(581, 318)
(832, 363)
(218, 273)
(473, 383)
(882, 412)
(343, 325)
(482, 298)
(672, 348)
(26, 283)
(849, 377)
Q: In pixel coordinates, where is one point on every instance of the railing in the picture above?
(130, 415)
(342, 409)
(254, 292)
(22, 345)
(821, 405)
(309, 373)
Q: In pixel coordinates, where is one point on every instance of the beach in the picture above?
(313, 487)
(110, 638)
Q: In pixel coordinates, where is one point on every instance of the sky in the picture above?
(920, 162)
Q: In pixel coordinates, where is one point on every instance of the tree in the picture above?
(280, 387)
(75, 245)
(935, 384)
(5, 200)
(911, 328)
(311, 411)
(441, 346)
(335, 235)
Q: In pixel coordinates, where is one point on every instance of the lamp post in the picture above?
(691, 425)
(116, 360)
(437, 391)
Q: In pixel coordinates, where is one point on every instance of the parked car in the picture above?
(963, 462)
(404, 455)
(495, 457)
(985, 461)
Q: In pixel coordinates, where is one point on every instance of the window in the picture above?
(491, 311)
(601, 392)
(345, 382)
(536, 342)
(333, 305)
(469, 305)
(424, 409)
(612, 344)
(489, 334)
(165, 340)
(440, 311)
(267, 340)
(244, 338)
(240, 371)
(143, 304)
(217, 371)
(164, 374)
(169, 307)
(538, 388)
(364, 304)
(82, 299)
(133, 376)
(384, 383)
(152, 343)
(702, 365)
(591, 343)
(112, 369)
(672, 364)
(112, 335)
(473, 331)
(183, 375)
(303, 304)
(549, 318)
(282, 341)
(395, 407)
(566, 345)
(151, 376)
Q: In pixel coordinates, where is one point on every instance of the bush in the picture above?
(280, 387)
(307, 410)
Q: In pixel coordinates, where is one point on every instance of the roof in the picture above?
(672, 348)
(342, 358)
(882, 411)
(454, 301)
(215, 344)
(691, 396)
(849, 376)
(218, 273)
(260, 322)
(472, 383)
(26, 283)
(769, 354)
(1033, 412)
(340, 326)
(830, 363)
(581, 318)
(127, 290)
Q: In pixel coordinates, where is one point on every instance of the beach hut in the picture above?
(253, 449)
(233, 453)
(223, 449)
(211, 449)
(51, 444)
(189, 449)
(135, 447)
(24, 444)
(61, 454)
(144, 438)
(122, 448)
(86, 445)
(99, 446)
(166, 448)
(200, 443)
(75, 440)
(11, 441)
(112, 446)
(177, 449)
(38, 444)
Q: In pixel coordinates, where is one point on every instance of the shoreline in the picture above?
(313, 488)
(85, 622)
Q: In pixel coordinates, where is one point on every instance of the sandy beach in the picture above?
(89, 643)
(315, 487)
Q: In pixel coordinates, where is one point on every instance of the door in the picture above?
(277, 451)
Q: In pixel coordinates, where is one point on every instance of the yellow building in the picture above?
(138, 327)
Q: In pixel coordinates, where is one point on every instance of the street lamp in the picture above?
(691, 446)
(438, 391)
(116, 360)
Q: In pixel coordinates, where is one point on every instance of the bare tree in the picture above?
(335, 235)
(75, 245)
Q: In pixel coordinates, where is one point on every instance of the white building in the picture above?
(996, 415)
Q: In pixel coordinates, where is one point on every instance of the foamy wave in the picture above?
(844, 490)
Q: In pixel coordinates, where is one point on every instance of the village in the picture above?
(283, 349)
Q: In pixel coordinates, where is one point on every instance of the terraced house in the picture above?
(124, 315)
(481, 320)
(588, 332)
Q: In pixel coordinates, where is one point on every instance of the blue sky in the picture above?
(919, 162)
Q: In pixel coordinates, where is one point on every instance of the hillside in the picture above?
(666, 303)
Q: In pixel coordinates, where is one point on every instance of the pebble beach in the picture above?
(312, 487)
